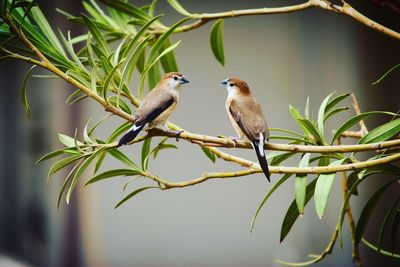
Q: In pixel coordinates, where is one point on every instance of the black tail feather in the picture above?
(262, 160)
(129, 136)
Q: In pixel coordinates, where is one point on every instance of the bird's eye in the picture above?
(175, 78)
(231, 84)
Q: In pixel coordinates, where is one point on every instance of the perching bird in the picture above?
(247, 118)
(156, 106)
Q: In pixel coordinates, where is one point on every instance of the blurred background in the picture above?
(284, 58)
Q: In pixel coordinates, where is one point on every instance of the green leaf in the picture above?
(168, 62)
(65, 183)
(321, 113)
(67, 140)
(83, 166)
(109, 78)
(307, 109)
(293, 213)
(70, 48)
(44, 25)
(382, 133)
(119, 103)
(175, 5)
(354, 120)
(152, 8)
(97, 35)
(395, 228)
(113, 173)
(278, 156)
(117, 132)
(24, 99)
(300, 184)
(144, 73)
(286, 131)
(62, 163)
(367, 211)
(122, 158)
(128, 9)
(208, 153)
(323, 189)
(145, 153)
(334, 112)
(69, 150)
(267, 196)
(134, 193)
(386, 74)
(312, 132)
(385, 222)
(336, 101)
(217, 41)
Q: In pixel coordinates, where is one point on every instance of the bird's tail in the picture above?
(130, 135)
(262, 160)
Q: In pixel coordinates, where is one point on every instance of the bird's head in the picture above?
(236, 86)
(174, 80)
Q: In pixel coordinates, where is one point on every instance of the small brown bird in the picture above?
(156, 106)
(247, 118)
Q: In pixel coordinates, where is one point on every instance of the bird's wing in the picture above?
(248, 115)
(152, 106)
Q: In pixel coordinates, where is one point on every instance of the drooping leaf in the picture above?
(385, 222)
(122, 157)
(119, 103)
(24, 99)
(293, 213)
(267, 196)
(367, 211)
(217, 41)
(145, 152)
(321, 113)
(117, 132)
(178, 7)
(113, 173)
(62, 164)
(208, 153)
(300, 184)
(97, 35)
(69, 150)
(354, 120)
(382, 133)
(65, 183)
(134, 193)
(323, 189)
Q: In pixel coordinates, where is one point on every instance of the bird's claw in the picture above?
(234, 139)
(177, 134)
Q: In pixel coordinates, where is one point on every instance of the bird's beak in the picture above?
(224, 82)
(184, 80)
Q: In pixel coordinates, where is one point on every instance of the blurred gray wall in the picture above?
(284, 58)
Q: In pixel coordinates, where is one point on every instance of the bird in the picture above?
(156, 106)
(247, 118)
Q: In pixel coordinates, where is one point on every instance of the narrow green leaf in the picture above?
(382, 133)
(145, 153)
(323, 189)
(65, 183)
(113, 173)
(152, 8)
(80, 171)
(300, 184)
(109, 78)
(312, 132)
(395, 228)
(286, 131)
(117, 132)
(44, 25)
(334, 112)
(86, 136)
(208, 153)
(69, 150)
(67, 140)
(168, 62)
(367, 211)
(62, 163)
(119, 103)
(122, 158)
(385, 222)
(127, 8)
(178, 7)
(321, 113)
(154, 75)
(144, 73)
(307, 109)
(354, 120)
(160, 147)
(267, 196)
(97, 35)
(134, 193)
(217, 41)
(278, 157)
(24, 99)
(386, 74)
(93, 78)
(293, 213)
(335, 101)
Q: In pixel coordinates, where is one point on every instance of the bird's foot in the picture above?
(177, 134)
